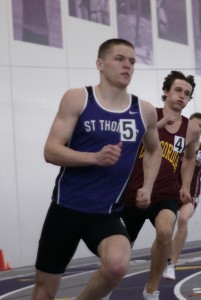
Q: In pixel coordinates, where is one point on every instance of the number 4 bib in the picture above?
(179, 144)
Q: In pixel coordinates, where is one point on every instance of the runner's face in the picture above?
(179, 94)
(117, 66)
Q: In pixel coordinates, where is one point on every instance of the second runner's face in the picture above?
(117, 66)
(179, 94)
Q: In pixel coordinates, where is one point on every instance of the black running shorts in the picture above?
(62, 231)
(134, 217)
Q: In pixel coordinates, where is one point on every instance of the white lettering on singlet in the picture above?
(107, 125)
(103, 125)
(90, 125)
(126, 127)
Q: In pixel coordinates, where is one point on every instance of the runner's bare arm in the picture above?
(152, 155)
(56, 150)
(188, 163)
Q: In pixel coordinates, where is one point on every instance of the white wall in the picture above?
(32, 80)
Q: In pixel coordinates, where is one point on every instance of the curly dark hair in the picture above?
(196, 115)
(170, 78)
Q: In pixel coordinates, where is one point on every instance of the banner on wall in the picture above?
(134, 24)
(172, 23)
(196, 12)
(92, 10)
(38, 22)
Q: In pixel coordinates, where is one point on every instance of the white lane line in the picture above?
(31, 286)
(177, 288)
(14, 292)
(64, 277)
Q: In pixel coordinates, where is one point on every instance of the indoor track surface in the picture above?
(17, 284)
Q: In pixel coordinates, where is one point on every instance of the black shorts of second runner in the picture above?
(62, 231)
(134, 217)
